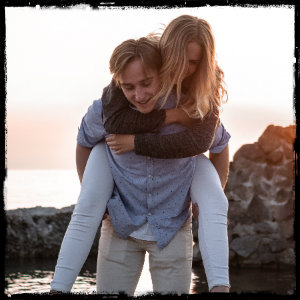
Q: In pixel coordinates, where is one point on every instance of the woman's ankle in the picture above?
(220, 289)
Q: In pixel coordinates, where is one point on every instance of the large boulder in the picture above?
(260, 191)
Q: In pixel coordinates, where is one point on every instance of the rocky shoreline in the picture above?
(260, 192)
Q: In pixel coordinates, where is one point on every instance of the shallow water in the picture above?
(34, 276)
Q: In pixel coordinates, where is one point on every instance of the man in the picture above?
(150, 206)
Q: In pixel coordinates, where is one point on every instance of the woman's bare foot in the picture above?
(220, 289)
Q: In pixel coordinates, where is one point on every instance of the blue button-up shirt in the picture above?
(146, 189)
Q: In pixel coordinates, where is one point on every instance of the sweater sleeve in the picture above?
(119, 118)
(187, 143)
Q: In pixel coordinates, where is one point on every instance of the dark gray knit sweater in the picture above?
(118, 117)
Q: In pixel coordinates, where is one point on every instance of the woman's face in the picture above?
(193, 52)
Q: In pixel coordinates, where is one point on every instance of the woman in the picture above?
(206, 109)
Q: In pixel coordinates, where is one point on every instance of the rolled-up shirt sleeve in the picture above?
(91, 130)
(221, 139)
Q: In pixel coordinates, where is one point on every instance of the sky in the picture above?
(57, 65)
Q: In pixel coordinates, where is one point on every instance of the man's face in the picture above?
(139, 85)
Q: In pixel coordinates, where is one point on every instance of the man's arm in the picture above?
(82, 155)
(221, 163)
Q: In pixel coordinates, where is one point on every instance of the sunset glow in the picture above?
(57, 64)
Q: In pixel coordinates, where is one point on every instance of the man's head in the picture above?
(135, 67)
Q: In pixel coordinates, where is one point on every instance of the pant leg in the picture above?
(120, 262)
(96, 189)
(171, 267)
(207, 192)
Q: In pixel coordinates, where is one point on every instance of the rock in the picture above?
(284, 195)
(242, 175)
(288, 170)
(281, 181)
(261, 189)
(287, 133)
(37, 232)
(274, 136)
(275, 157)
(288, 151)
(257, 210)
(236, 213)
(286, 228)
(286, 257)
(266, 256)
(278, 245)
(250, 152)
(244, 246)
(269, 171)
(241, 193)
(242, 230)
(285, 211)
(266, 227)
(251, 261)
(269, 141)
(232, 255)
(261, 199)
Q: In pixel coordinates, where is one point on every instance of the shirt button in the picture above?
(149, 176)
(148, 157)
(149, 195)
(149, 214)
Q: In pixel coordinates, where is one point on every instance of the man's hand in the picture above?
(120, 143)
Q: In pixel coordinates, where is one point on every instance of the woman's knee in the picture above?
(205, 172)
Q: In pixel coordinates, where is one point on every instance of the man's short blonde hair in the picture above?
(145, 49)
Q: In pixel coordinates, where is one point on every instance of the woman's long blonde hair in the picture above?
(206, 86)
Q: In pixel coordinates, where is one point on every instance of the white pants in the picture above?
(120, 262)
(96, 189)
(206, 190)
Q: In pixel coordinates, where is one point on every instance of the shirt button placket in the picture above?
(149, 183)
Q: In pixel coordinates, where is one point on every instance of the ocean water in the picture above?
(60, 188)
(46, 188)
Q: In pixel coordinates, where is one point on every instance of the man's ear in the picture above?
(116, 82)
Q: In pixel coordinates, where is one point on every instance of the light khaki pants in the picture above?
(120, 262)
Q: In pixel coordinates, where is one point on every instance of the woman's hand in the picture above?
(120, 143)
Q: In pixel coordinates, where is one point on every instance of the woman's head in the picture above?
(135, 67)
(177, 37)
(188, 53)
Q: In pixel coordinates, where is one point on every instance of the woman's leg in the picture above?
(96, 189)
(207, 192)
